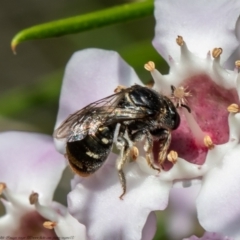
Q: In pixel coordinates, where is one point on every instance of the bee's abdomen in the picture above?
(87, 155)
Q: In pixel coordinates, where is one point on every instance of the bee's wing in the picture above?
(103, 112)
(88, 119)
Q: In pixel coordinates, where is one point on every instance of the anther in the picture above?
(49, 224)
(150, 66)
(237, 63)
(180, 95)
(119, 88)
(33, 198)
(208, 142)
(179, 40)
(134, 153)
(2, 187)
(216, 52)
(172, 156)
(233, 108)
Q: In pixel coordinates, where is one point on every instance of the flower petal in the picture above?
(104, 214)
(209, 236)
(218, 202)
(181, 217)
(29, 162)
(204, 25)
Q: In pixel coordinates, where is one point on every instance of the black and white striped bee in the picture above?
(130, 115)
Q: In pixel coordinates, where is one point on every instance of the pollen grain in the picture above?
(33, 198)
(237, 63)
(2, 187)
(233, 108)
(49, 224)
(180, 40)
(172, 156)
(208, 142)
(150, 66)
(134, 153)
(216, 52)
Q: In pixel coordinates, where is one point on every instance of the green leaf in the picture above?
(85, 22)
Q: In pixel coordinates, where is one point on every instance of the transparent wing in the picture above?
(106, 111)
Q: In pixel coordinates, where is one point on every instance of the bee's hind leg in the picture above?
(124, 147)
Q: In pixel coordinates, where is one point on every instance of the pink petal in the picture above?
(29, 162)
(204, 25)
(218, 202)
(95, 202)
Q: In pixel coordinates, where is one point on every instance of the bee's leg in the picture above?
(148, 146)
(124, 147)
(164, 140)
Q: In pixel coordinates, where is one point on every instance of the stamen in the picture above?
(13, 198)
(49, 224)
(119, 88)
(233, 108)
(216, 52)
(237, 66)
(134, 153)
(180, 95)
(44, 211)
(237, 63)
(197, 132)
(156, 75)
(3, 186)
(172, 156)
(150, 66)
(179, 40)
(208, 142)
(33, 198)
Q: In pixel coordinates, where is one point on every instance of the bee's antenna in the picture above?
(185, 106)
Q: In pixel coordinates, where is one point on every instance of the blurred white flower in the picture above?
(30, 169)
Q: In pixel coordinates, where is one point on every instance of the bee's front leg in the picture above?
(148, 146)
(164, 140)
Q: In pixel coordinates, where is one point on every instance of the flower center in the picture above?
(208, 104)
(21, 218)
(207, 89)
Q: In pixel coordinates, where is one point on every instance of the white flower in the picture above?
(207, 141)
(30, 169)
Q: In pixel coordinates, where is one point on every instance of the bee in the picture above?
(129, 116)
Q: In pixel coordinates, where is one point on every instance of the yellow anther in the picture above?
(2, 187)
(233, 108)
(33, 198)
(179, 40)
(150, 66)
(237, 63)
(208, 142)
(172, 157)
(134, 153)
(216, 52)
(49, 224)
(119, 88)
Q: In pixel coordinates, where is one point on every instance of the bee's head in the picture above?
(170, 118)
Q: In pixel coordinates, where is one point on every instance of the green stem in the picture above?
(85, 22)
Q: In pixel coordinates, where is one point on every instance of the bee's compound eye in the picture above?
(176, 120)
